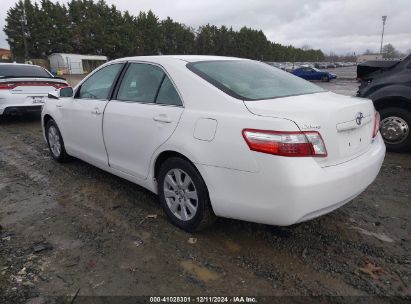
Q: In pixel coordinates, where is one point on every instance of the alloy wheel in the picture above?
(54, 141)
(180, 194)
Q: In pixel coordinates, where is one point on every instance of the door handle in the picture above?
(96, 111)
(162, 118)
(59, 106)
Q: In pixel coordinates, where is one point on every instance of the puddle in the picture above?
(201, 273)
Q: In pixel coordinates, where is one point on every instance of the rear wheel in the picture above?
(55, 142)
(395, 128)
(184, 195)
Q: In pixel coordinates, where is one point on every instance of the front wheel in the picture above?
(184, 195)
(55, 142)
(395, 129)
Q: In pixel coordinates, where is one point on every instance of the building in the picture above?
(5, 54)
(61, 64)
(368, 57)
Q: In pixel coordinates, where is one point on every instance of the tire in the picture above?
(395, 128)
(185, 201)
(55, 142)
(325, 78)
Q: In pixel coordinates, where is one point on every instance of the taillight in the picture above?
(12, 85)
(376, 124)
(285, 143)
(7, 85)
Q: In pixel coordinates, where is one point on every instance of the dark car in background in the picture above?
(388, 84)
(309, 73)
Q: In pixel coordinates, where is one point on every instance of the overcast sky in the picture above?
(338, 26)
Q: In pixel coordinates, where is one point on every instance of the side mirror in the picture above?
(53, 95)
(65, 92)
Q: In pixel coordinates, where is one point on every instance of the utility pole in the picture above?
(23, 29)
(384, 19)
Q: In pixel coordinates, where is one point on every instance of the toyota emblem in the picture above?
(358, 118)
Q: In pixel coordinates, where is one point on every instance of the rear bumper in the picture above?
(20, 103)
(19, 110)
(290, 190)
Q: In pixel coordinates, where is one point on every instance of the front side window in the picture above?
(98, 85)
(251, 80)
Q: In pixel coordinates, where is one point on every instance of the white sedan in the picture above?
(219, 136)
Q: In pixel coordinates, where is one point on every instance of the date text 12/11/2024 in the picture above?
(203, 299)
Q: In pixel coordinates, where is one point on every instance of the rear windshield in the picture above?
(251, 80)
(23, 71)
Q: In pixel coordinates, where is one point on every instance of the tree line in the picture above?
(36, 30)
(389, 52)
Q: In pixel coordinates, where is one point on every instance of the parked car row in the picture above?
(291, 66)
(311, 71)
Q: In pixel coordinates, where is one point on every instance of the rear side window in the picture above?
(147, 83)
(168, 94)
(251, 80)
(140, 83)
(15, 70)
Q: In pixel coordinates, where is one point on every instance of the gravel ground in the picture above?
(74, 229)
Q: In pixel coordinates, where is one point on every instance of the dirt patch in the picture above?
(101, 238)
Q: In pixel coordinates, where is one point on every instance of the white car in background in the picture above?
(219, 136)
(24, 87)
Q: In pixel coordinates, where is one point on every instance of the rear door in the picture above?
(143, 115)
(83, 115)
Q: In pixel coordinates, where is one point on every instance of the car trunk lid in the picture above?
(367, 70)
(345, 123)
(36, 86)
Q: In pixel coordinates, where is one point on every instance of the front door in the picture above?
(83, 116)
(142, 116)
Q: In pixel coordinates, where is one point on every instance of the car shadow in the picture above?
(27, 118)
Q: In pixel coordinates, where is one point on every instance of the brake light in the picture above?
(13, 85)
(285, 143)
(376, 124)
(7, 85)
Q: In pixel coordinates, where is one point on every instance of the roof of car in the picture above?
(187, 58)
(18, 64)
